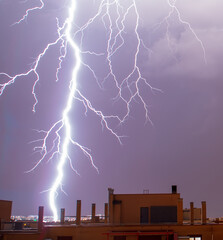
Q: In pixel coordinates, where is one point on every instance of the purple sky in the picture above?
(182, 147)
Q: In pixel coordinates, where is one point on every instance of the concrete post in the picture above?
(191, 213)
(93, 210)
(40, 218)
(180, 211)
(78, 213)
(62, 215)
(204, 212)
(106, 212)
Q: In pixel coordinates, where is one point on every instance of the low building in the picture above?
(187, 213)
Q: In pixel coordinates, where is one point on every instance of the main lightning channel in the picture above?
(65, 119)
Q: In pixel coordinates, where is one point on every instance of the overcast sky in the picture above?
(182, 145)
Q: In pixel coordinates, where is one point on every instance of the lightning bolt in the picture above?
(113, 15)
(166, 20)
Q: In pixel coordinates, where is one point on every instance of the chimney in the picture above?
(174, 189)
(93, 207)
(204, 212)
(78, 213)
(40, 218)
(191, 213)
(110, 191)
(62, 215)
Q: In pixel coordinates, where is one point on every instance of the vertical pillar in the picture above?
(62, 215)
(78, 213)
(191, 213)
(40, 218)
(93, 207)
(106, 212)
(204, 213)
(180, 211)
(110, 204)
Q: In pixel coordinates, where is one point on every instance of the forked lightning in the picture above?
(113, 14)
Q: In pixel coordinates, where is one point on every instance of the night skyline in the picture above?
(182, 145)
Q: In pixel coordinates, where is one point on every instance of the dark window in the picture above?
(64, 238)
(163, 214)
(19, 225)
(150, 237)
(119, 237)
(144, 215)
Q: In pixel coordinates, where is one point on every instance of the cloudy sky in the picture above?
(181, 55)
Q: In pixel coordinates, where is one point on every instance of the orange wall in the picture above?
(96, 232)
(80, 232)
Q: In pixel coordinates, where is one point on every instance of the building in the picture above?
(145, 208)
(187, 213)
(128, 217)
